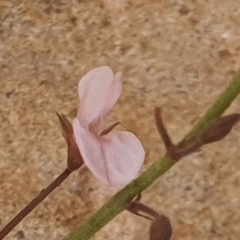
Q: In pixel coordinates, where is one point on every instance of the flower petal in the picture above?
(113, 94)
(124, 156)
(115, 158)
(91, 151)
(99, 91)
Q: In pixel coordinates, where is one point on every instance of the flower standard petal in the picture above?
(113, 94)
(96, 90)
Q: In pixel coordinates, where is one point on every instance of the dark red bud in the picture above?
(74, 160)
(219, 128)
(160, 228)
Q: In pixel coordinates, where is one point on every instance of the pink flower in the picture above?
(115, 157)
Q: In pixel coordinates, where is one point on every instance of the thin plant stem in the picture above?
(117, 203)
(34, 203)
(219, 107)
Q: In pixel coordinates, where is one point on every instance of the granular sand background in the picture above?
(179, 55)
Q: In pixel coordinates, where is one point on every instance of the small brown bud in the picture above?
(213, 132)
(160, 228)
(219, 128)
(74, 160)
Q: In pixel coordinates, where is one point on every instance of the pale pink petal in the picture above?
(114, 94)
(91, 151)
(98, 90)
(124, 156)
(115, 158)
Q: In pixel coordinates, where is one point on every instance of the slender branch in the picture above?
(219, 107)
(34, 203)
(117, 204)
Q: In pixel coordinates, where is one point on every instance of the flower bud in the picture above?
(160, 228)
(219, 128)
(74, 159)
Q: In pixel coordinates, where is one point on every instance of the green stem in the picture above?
(218, 108)
(117, 204)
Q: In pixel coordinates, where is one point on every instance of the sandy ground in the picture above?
(179, 55)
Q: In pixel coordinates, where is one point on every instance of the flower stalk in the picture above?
(74, 161)
(34, 203)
